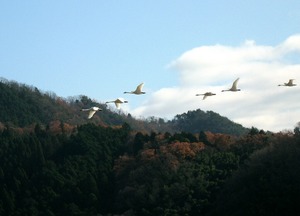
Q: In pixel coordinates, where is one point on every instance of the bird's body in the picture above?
(118, 102)
(206, 94)
(91, 111)
(233, 87)
(290, 83)
(137, 91)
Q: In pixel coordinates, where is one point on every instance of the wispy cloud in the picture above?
(260, 103)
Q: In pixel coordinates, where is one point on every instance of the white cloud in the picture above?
(291, 44)
(261, 103)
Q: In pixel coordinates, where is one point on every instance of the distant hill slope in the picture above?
(198, 120)
(22, 105)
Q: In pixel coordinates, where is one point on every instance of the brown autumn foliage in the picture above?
(221, 141)
(57, 127)
(185, 149)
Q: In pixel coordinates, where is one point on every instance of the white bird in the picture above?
(234, 86)
(137, 91)
(91, 111)
(118, 102)
(290, 83)
(206, 94)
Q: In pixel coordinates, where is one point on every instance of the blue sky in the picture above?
(178, 48)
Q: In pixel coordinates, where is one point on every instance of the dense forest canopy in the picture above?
(100, 170)
(198, 120)
(56, 162)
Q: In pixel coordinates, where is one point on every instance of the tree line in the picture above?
(99, 170)
(24, 106)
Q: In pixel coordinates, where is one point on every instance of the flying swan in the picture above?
(233, 87)
(206, 94)
(290, 83)
(137, 91)
(117, 102)
(91, 111)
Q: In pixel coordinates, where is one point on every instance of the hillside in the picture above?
(23, 106)
(106, 167)
(115, 171)
(198, 120)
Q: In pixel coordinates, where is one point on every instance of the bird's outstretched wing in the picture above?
(139, 88)
(91, 113)
(234, 85)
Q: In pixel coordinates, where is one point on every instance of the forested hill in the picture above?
(23, 106)
(100, 169)
(198, 120)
